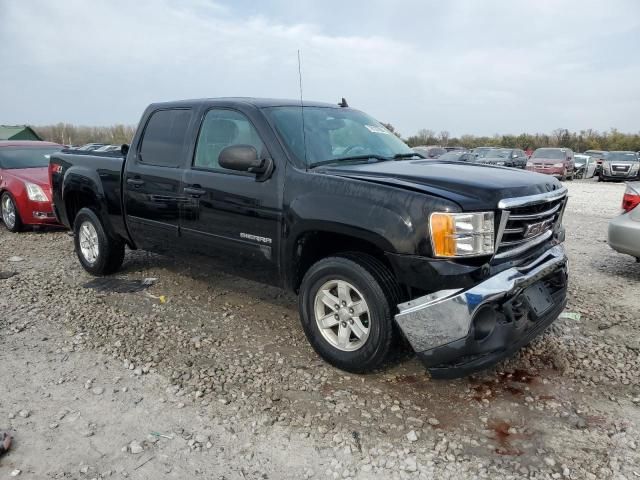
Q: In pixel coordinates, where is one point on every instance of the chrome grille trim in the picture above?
(532, 216)
(523, 248)
(517, 202)
(520, 216)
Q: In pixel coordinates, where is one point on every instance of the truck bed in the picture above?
(89, 174)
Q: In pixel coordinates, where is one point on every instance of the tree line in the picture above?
(69, 134)
(577, 141)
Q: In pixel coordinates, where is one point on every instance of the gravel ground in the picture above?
(216, 380)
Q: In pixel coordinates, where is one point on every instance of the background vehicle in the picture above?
(458, 156)
(480, 151)
(506, 157)
(432, 151)
(558, 162)
(466, 259)
(620, 166)
(585, 166)
(599, 156)
(89, 147)
(455, 149)
(624, 230)
(25, 195)
(108, 148)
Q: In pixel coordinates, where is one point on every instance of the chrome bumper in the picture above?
(445, 316)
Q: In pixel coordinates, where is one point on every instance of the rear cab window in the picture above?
(164, 139)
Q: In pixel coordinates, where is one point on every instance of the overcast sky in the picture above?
(479, 67)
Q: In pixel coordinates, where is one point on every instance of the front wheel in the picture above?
(346, 307)
(98, 252)
(10, 214)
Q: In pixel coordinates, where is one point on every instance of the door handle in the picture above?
(136, 182)
(194, 191)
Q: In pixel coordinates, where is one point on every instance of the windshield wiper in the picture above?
(379, 158)
(400, 156)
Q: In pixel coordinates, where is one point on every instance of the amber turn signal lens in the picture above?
(443, 232)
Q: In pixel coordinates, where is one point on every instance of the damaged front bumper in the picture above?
(456, 332)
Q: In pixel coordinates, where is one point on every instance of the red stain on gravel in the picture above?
(502, 437)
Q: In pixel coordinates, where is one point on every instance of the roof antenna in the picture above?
(343, 103)
(304, 133)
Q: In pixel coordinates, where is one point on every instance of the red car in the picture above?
(25, 194)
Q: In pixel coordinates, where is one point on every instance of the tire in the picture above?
(367, 279)
(98, 252)
(8, 204)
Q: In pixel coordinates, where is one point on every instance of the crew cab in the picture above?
(464, 261)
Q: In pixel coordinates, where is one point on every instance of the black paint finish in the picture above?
(228, 214)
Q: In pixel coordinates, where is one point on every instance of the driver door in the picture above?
(228, 215)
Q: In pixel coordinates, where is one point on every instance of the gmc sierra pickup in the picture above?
(464, 261)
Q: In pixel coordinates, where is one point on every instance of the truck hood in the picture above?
(472, 186)
(37, 175)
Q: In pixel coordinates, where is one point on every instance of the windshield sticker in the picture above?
(375, 129)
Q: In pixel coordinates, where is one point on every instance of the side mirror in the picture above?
(124, 149)
(244, 158)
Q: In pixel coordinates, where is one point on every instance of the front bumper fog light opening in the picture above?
(484, 323)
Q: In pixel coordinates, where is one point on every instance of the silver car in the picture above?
(624, 230)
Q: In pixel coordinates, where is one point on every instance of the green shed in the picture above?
(17, 132)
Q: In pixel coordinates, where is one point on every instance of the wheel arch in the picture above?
(312, 245)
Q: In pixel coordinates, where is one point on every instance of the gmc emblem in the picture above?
(535, 229)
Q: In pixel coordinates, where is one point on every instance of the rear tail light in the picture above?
(631, 199)
(54, 168)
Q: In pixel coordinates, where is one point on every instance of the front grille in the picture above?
(528, 222)
(620, 169)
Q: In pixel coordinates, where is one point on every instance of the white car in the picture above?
(624, 230)
(585, 166)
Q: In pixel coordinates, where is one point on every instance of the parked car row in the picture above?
(560, 162)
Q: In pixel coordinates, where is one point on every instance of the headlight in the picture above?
(499, 163)
(35, 193)
(634, 168)
(606, 167)
(529, 164)
(558, 165)
(462, 234)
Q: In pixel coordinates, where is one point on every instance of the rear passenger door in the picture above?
(229, 216)
(153, 180)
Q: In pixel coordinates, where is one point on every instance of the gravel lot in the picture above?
(219, 382)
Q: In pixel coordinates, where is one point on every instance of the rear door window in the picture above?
(163, 143)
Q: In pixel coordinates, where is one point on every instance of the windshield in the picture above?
(549, 153)
(334, 134)
(622, 157)
(11, 157)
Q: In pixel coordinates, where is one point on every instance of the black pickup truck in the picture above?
(463, 261)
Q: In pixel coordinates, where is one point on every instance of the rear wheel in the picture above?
(10, 214)
(346, 307)
(98, 252)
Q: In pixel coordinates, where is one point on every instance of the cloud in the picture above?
(463, 66)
